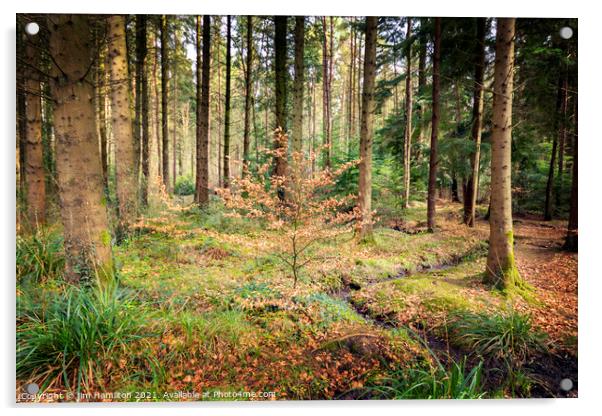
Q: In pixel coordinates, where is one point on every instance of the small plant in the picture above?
(74, 335)
(299, 206)
(39, 256)
(509, 337)
(184, 186)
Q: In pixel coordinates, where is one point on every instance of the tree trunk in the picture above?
(201, 195)
(297, 130)
(572, 237)
(367, 130)
(326, 98)
(125, 154)
(408, 126)
(562, 138)
(174, 113)
(433, 158)
(102, 113)
(248, 83)
(87, 240)
(547, 209)
(501, 268)
(164, 102)
(226, 163)
(141, 78)
(280, 75)
(421, 93)
(472, 184)
(34, 158)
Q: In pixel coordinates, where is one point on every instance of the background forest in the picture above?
(292, 207)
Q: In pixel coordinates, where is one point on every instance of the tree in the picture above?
(433, 161)
(501, 268)
(280, 164)
(297, 130)
(571, 241)
(201, 195)
(408, 125)
(227, 109)
(164, 100)
(125, 153)
(326, 95)
(142, 80)
(472, 184)
(248, 98)
(35, 181)
(367, 130)
(87, 240)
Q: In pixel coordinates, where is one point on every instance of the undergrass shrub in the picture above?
(184, 186)
(72, 335)
(39, 256)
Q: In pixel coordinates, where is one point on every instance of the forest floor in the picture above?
(223, 318)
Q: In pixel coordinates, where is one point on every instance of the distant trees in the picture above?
(501, 267)
(297, 127)
(79, 174)
(367, 130)
(407, 166)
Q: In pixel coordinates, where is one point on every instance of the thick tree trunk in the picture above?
(87, 240)
(248, 97)
(408, 116)
(201, 195)
(297, 130)
(572, 236)
(164, 102)
(227, 109)
(34, 158)
(141, 78)
(433, 158)
(367, 129)
(174, 114)
(280, 144)
(125, 154)
(501, 267)
(472, 184)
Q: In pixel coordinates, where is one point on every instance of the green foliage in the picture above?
(330, 309)
(184, 186)
(426, 381)
(73, 334)
(508, 337)
(39, 256)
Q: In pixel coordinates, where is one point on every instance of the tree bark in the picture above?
(366, 131)
(297, 130)
(433, 158)
(571, 241)
(34, 158)
(87, 240)
(248, 83)
(472, 184)
(408, 124)
(280, 163)
(326, 125)
(125, 153)
(164, 102)
(141, 78)
(227, 109)
(201, 195)
(421, 92)
(501, 267)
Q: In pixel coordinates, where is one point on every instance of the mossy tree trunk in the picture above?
(367, 130)
(121, 120)
(201, 195)
(433, 157)
(501, 267)
(81, 196)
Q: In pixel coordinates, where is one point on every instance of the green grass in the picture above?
(39, 256)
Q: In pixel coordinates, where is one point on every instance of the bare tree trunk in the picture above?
(125, 154)
(433, 158)
(164, 102)
(174, 112)
(81, 197)
(326, 98)
(227, 109)
(141, 78)
(248, 97)
(472, 184)
(297, 130)
(501, 267)
(366, 131)
(408, 128)
(34, 157)
(571, 242)
(201, 195)
(421, 93)
(280, 162)
(562, 138)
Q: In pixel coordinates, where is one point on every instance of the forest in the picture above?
(295, 208)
